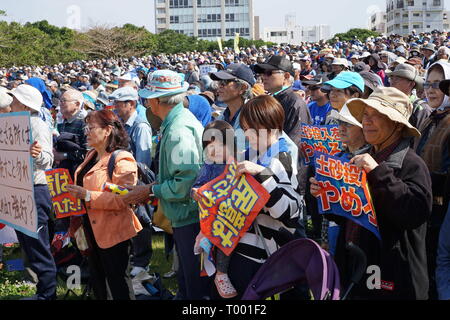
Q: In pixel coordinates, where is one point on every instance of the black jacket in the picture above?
(401, 193)
(295, 111)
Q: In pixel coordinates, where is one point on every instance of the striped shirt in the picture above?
(283, 210)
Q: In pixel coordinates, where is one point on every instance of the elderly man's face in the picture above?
(69, 105)
(377, 127)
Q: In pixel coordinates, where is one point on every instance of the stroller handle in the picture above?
(361, 264)
(360, 261)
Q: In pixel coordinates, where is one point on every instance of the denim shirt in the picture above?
(443, 260)
(141, 139)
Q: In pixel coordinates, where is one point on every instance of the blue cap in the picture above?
(163, 83)
(124, 94)
(235, 71)
(347, 79)
(297, 86)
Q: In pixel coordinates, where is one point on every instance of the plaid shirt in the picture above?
(76, 126)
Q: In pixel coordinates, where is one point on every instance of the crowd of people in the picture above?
(103, 119)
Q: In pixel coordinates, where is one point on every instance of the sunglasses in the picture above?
(428, 85)
(269, 73)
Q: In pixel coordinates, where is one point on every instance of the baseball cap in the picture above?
(235, 71)
(124, 94)
(347, 79)
(163, 83)
(29, 96)
(275, 63)
(297, 86)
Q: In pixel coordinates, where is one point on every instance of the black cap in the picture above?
(235, 71)
(275, 63)
(316, 81)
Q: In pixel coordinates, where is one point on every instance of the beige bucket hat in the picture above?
(388, 101)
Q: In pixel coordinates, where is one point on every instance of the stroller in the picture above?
(303, 263)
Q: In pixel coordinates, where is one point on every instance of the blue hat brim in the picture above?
(147, 94)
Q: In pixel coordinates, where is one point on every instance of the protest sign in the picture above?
(344, 191)
(64, 204)
(17, 205)
(206, 69)
(228, 206)
(319, 138)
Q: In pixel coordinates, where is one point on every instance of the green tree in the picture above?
(361, 34)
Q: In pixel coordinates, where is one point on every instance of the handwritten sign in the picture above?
(17, 205)
(344, 191)
(228, 206)
(206, 69)
(323, 139)
(64, 204)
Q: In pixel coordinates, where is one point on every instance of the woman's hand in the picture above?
(249, 167)
(315, 187)
(198, 239)
(137, 194)
(365, 162)
(195, 195)
(77, 191)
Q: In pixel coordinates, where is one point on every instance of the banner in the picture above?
(236, 43)
(228, 207)
(17, 205)
(206, 69)
(219, 42)
(345, 191)
(64, 204)
(323, 139)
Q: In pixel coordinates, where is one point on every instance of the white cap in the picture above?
(340, 62)
(346, 116)
(29, 96)
(5, 98)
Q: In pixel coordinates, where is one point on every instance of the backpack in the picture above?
(145, 176)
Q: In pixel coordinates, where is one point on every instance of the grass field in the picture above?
(12, 286)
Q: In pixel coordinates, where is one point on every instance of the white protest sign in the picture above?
(205, 69)
(17, 204)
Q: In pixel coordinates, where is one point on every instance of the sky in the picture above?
(341, 15)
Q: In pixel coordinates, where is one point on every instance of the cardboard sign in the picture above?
(228, 206)
(345, 191)
(17, 204)
(64, 204)
(206, 69)
(323, 139)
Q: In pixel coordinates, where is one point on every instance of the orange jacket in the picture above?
(111, 219)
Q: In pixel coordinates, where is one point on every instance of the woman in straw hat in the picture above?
(400, 185)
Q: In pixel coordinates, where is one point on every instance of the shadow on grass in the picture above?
(13, 288)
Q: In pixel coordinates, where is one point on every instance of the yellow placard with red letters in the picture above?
(229, 204)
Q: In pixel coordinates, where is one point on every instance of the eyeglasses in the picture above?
(428, 85)
(224, 83)
(88, 130)
(269, 73)
(66, 101)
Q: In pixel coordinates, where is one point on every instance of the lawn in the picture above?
(13, 287)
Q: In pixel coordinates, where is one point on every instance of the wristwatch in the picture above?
(88, 196)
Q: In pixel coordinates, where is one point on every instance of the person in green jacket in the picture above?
(180, 159)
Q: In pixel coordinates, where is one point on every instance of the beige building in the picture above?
(206, 19)
(403, 16)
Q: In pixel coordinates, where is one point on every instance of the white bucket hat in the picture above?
(29, 96)
(345, 116)
(5, 98)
